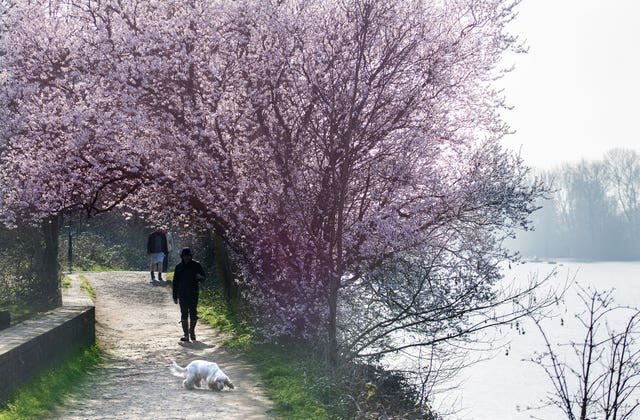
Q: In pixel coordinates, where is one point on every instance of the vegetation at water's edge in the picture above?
(298, 379)
(290, 375)
(42, 394)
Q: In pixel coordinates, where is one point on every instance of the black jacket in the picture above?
(157, 242)
(185, 283)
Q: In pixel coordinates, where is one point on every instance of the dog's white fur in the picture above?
(200, 371)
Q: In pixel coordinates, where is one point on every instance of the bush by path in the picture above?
(299, 380)
(293, 380)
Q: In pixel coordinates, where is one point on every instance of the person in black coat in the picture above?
(186, 286)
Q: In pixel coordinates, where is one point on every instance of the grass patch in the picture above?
(84, 285)
(45, 392)
(66, 282)
(21, 311)
(295, 382)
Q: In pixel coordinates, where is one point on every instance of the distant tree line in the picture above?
(593, 211)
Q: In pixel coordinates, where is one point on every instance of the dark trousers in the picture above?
(188, 311)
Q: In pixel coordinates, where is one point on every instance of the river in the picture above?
(503, 386)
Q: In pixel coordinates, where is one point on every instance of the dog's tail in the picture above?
(177, 369)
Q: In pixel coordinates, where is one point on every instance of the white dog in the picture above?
(200, 371)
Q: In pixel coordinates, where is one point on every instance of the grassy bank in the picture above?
(299, 380)
(45, 392)
(84, 285)
(295, 379)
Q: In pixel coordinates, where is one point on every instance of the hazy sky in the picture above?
(576, 92)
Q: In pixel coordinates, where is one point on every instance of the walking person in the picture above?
(157, 250)
(186, 287)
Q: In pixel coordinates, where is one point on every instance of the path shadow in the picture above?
(205, 391)
(157, 283)
(195, 345)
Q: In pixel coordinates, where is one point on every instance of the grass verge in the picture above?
(295, 382)
(45, 392)
(84, 285)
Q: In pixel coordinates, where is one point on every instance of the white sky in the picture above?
(576, 92)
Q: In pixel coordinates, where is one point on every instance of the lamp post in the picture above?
(70, 249)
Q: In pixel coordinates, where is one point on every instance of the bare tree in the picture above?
(603, 380)
(594, 211)
(623, 168)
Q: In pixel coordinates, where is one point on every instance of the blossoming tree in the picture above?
(71, 144)
(347, 151)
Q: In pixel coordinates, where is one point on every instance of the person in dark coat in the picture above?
(186, 286)
(157, 249)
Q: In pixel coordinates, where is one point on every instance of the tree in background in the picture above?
(593, 212)
(546, 237)
(107, 241)
(623, 186)
(589, 207)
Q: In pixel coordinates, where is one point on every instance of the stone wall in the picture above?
(34, 346)
(5, 319)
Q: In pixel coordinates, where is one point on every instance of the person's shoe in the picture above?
(185, 338)
(159, 277)
(193, 336)
(153, 277)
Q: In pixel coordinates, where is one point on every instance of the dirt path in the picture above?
(137, 326)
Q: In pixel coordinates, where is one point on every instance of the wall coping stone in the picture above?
(30, 329)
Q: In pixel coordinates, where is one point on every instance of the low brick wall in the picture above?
(34, 346)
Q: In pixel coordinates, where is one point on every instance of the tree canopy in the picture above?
(347, 151)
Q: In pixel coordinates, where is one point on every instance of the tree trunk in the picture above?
(49, 270)
(333, 316)
(229, 286)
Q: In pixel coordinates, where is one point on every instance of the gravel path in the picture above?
(137, 326)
